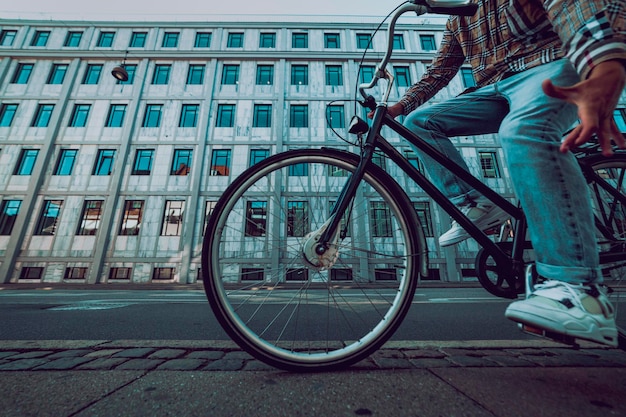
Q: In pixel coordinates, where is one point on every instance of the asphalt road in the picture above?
(436, 314)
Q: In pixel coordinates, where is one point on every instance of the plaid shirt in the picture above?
(509, 36)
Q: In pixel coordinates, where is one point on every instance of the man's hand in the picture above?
(596, 98)
(394, 111)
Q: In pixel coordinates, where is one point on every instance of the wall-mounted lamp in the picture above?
(120, 72)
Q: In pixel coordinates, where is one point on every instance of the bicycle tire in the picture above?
(610, 213)
(318, 323)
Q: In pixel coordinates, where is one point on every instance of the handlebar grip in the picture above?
(466, 10)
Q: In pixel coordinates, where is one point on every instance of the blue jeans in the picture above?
(548, 183)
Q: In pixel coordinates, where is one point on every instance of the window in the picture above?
(299, 40)
(189, 115)
(7, 114)
(173, 218)
(57, 74)
(115, 118)
(22, 73)
(331, 41)
(195, 75)
(75, 272)
(203, 40)
(152, 117)
(72, 39)
(181, 163)
(120, 273)
(380, 219)
(380, 160)
(235, 40)
(489, 164)
(161, 74)
(42, 115)
(90, 218)
(262, 115)
(164, 273)
(138, 40)
(225, 115)
(427, 42)
(8, 213)
(367, 73)
(48, 218)
(130, 69)
(79, 115)
(403, 76)
(252, 274)
(267, 40)
(104, 162)
(105, 40)
(170, 40)
(299, 115)
(7, 37)
(297, 218)
(299, 170)
(40, 38)
(65, 162)
(230, 74)
(334, 75)
(299, 75)
(257, 155)
(341, 274)
(92, 74)
(385, 274)
(336, 116)
(220, 162)
(208, 210)
(467, 78)
(131, 221)
(411, 156)
(294, 274)
(618, 115)
(363, 40)
(398, 42)
(143, 162)
(265, 74)
(424, 214)
(31, 272)
(256, 218)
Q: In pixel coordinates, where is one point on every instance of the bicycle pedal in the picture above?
(557, 337)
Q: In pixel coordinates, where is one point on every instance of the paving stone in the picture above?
(206, 354)
(103, 364)
(181, 365)
(103, 353)
(134, 353)
(423, 363)
(7, 354)
(508, 360)
(256, 365)
(140, 364)
(424, 353)
(238, 354)
(63, 363)
(69, 353)
(22, 364)
(167, 354)
(225, 365)
(31, 354)
(472, 361)
(392, 363)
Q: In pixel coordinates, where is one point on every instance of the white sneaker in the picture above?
(580, 311)
(483, 213)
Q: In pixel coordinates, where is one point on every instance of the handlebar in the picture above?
(420, 7)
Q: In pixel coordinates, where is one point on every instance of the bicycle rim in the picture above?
(277, 306)
(608, 196)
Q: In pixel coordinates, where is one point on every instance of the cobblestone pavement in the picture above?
(225, 356)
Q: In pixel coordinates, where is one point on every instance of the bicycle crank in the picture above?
(318, 255)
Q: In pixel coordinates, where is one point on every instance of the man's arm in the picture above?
(593, 37)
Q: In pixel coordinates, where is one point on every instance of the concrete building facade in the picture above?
(106, 181)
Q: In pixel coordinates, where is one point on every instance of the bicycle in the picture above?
(300, 278)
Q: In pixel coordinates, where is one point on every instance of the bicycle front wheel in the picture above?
(280, 308)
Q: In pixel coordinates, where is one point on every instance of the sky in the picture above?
(180, 9)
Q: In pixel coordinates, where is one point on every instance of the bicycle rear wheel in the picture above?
(276, 305)
(607, 186)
